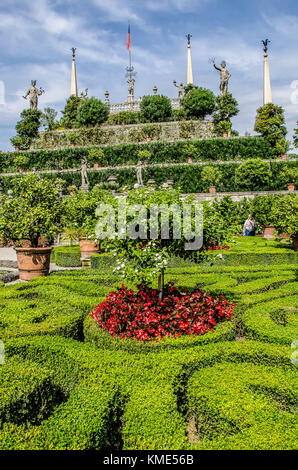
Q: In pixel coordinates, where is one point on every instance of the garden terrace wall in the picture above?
(133, 133)
(186, 177)
(236, 148)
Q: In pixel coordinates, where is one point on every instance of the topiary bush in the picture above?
(155, 108)
(198, 103)
(69, 114)
(253, 175)
(270, 123)
(92, 112)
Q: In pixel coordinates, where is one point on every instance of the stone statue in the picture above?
(180, 89)
(265, 44)
(131, 87)
(139, 174)
(84, 95)
(84, 174)
(34, 93)
(224, 77)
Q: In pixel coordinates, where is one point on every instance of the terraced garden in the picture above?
(66, 384)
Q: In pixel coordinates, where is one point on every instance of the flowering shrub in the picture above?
(143, 316)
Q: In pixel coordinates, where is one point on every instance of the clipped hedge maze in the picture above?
(75, 387)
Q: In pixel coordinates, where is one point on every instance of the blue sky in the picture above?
(36, 38)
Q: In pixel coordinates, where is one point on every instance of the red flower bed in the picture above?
(143, 316)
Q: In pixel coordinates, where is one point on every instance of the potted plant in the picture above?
(21, 161)
(144, 155)
(30, 219)
(189, 151)
(96, 157)
(289, 176)
(284, 214)
(211, 176)
(73, 138)
(261, 209)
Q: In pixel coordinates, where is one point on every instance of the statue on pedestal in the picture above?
(34, 93)
(139, 174)
(84, 175)
(131, 89)
(224, 77)
(180, 89)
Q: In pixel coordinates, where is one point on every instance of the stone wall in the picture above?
(126, 134)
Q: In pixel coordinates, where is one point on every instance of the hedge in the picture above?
(239, 148)
(67, 256)
(187, 178)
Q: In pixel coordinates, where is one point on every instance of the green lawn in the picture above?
(67, 385)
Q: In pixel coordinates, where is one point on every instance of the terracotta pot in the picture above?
(148, 139)
(33, 262)
(284, 156)
(225, 135)
(268, 231)
(291, 187)
(96, 165)
(17, 149)
(72, 145)
(21, 170)
(212, 190)
(88, 248)
(295, 241)
(123, 123)
(189, 160)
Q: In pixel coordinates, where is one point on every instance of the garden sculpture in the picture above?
(34, 93)
(224, 77)
(139, 174)
(180, 89)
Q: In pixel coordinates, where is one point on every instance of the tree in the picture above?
(144, 257)
(198, 103)
(155, 108)
(48, 119)
(211, 176)
(270, 123)
(27, 128)
(254, 174)
(226, 108)
(285, 214)
(34, 211)
(69, 118)
(92, 112)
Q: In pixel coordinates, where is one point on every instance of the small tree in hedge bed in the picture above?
(92, 112)
(69, 118)
(198, 103)
(253, 175)
(143, 258)
(270, 123)
(285, 215)
(211, 176)
(34, 211)
(27, 128)
(261, 208)
(226, 108)
(155, 108)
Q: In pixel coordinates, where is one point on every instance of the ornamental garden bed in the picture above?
(205, 392)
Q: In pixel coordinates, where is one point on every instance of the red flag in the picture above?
(128, 38)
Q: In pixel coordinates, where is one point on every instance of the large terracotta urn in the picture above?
(212, 190)
(291, 187)
(268, 231)
(88, 248)
(33, 262)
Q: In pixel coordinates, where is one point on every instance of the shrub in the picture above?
(144, 155)
(34, 212)
(295, 137)
(155, 108)
(96, 155)
(69, 118)
(289, 175)
(270, 123)
(92, 112)
(127, 117)
(48, 119)
(198, 103)
(144, 316)
(253, 175)
(226, 108)
(73, 137)
(285, 214)
(211, 176)
(27, 128)
(21, 161)
(261, 208)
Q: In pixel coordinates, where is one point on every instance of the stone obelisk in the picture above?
(189, 63)
(267, 84)
(74, 83)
